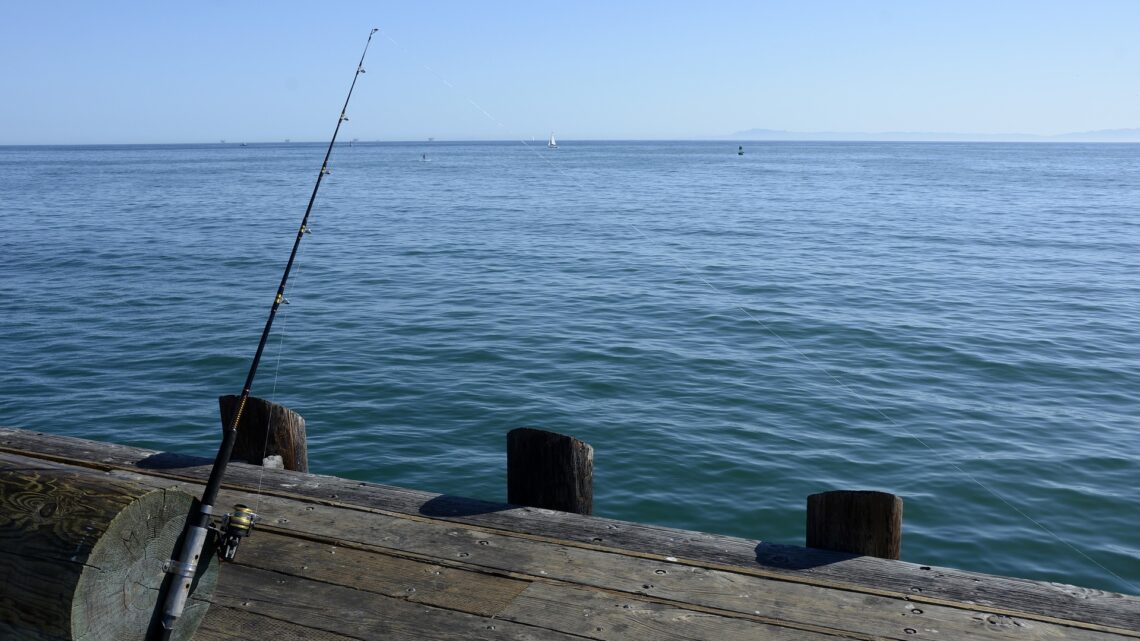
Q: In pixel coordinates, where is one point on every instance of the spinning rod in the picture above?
(183, 565)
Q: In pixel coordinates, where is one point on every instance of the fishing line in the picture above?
(182, 567)
(276, 373)
(732, 299)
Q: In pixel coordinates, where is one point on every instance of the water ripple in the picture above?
(953, 323)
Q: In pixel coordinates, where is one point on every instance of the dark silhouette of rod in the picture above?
(183, 565)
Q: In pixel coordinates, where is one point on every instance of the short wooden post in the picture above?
(550, 471)
(81, 554)
(286, 433)
(862, 522)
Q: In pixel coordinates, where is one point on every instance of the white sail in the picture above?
(552, 144)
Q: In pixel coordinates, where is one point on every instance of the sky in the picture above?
(159, 72)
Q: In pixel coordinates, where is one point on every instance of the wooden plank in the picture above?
(874, 576)
(360, 614)
(611, 617)
(594, 614)
(442, 586)
(789, 604)
(227, 624)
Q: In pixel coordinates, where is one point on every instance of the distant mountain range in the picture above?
(1104, 135)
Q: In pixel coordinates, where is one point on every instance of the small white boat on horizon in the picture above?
(552, 144)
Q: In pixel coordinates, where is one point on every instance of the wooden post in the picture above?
(82, 552)
(550, 471)
(862, 522)
(286, 430)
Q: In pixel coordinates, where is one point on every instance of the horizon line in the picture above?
(753, 138)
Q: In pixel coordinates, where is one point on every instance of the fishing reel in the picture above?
(235, 526)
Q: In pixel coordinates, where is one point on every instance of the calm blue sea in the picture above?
(954, 323)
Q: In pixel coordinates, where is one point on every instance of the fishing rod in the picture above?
(183, 565)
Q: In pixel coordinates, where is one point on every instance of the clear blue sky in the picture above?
(139, 72)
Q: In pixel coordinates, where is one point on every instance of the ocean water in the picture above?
(954, 323)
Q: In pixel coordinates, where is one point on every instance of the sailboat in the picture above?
(552, 144)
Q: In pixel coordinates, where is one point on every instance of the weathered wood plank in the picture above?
(442, 586)
(874, 576)
(229, 624)
(361, 614)
(609, 617)
(789, 604)
(604, 614)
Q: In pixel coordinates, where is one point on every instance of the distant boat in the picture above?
(552, 144)
(740, 150)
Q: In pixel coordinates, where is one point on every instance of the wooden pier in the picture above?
(337, 560)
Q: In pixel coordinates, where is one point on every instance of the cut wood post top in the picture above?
(83, 554)
(549, 470)
(858, 521)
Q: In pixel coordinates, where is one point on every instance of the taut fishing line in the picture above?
(734, 301)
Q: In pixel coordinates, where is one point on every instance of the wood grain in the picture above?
(360, 614)
(860, 522)
(229, 624)
(266, 429)
(606, 616)
(987, 601)
(81, 553)
(549, 470)
(439, 585)
(724, 592)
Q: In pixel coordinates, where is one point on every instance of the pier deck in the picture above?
(336, 559)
